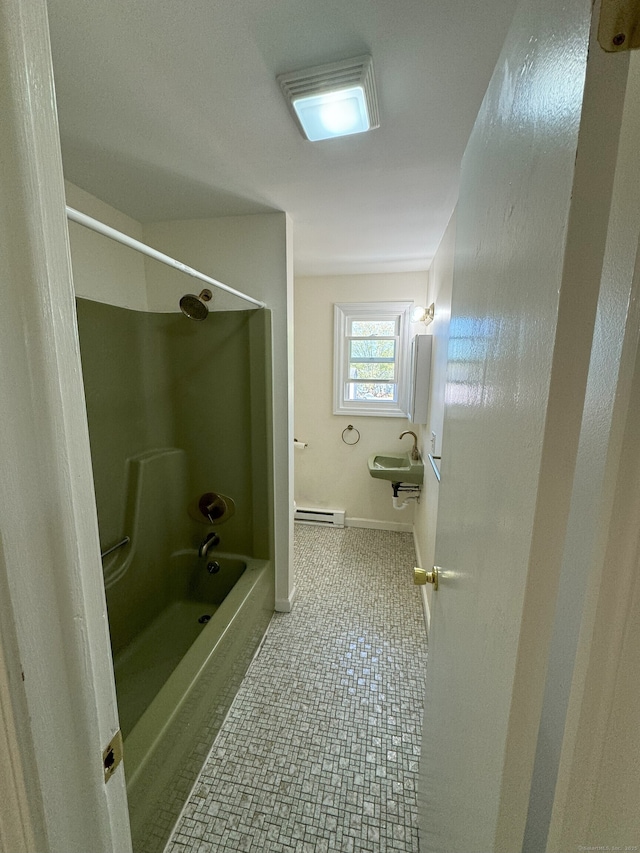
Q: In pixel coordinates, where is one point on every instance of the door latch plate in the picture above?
(112, 756)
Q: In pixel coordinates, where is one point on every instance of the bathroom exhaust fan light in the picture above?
(332, 100)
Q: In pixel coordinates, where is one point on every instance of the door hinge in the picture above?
(112, 755)
(619, 25)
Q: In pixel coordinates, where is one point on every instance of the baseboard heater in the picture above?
(325, 517)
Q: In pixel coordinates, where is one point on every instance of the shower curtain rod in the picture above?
(119, 237)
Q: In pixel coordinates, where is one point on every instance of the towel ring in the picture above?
(349, 431)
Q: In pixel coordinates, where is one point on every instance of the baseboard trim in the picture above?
(285, 605)
(372, 524)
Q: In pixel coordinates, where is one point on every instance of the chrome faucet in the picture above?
(415, 453)
(210, 541)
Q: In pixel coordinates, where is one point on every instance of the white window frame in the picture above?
(344, 314)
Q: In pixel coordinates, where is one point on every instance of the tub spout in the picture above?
(210, 541)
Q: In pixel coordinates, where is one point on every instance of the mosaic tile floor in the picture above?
(320, 749)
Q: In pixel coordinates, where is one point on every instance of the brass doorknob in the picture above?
(420, 576)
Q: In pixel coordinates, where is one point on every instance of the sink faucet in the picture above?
(210, 541)
(415, 453)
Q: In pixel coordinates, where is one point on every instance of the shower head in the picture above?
(194, 307)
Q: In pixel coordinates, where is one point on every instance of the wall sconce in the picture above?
(423, 315)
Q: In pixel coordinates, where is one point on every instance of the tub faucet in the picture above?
(415, 453)
(210, 541)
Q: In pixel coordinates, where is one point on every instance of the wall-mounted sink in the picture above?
(396, 467)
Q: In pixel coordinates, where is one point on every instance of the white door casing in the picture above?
(57, 697)
(533, 217)
(593, 671)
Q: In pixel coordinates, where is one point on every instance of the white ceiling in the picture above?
(169, 109)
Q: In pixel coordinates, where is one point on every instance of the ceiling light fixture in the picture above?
(332, 100)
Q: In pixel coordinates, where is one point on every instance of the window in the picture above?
(370, 358)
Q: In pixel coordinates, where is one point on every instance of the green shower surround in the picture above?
(177, 408)
(159, 380)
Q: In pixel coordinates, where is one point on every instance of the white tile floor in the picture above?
(320, 749)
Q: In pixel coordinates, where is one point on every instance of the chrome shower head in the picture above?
(194, 307)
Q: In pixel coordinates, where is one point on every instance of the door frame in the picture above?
(600, 719)
(57, 695)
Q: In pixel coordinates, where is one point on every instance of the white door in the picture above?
(532, 217)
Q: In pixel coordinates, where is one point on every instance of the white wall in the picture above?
(329, 473)
(247, 253)
(104, 270)
(439, 292)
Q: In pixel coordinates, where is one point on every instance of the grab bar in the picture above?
(436, 470)
(115, 547)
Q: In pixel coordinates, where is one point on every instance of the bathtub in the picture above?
(177, 671)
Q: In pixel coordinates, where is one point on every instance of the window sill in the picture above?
(358, 412)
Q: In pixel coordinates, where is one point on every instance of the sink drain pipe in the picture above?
(409, 493)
